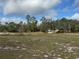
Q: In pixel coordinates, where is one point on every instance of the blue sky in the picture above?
(16, 10)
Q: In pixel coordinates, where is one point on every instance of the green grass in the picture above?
(41, 46)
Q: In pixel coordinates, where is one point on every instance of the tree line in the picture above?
(63, 25)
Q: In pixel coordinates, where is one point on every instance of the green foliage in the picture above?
(12, 27)
(46, 24)
(32, 25)
(67, 25)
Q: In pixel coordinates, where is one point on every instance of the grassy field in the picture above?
(40, 46)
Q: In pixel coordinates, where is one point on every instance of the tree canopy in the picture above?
(63, 24)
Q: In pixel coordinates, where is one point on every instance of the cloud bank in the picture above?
(27, 6)
(3, 20)
(74, 16)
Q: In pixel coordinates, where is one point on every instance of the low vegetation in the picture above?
(40, 46)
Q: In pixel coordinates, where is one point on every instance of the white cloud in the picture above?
(75, 16)
(51, 14)
(11, 19)
(28, 6)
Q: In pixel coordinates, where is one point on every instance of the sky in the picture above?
(16, 10)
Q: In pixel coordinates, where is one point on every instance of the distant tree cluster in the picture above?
(63, 25)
